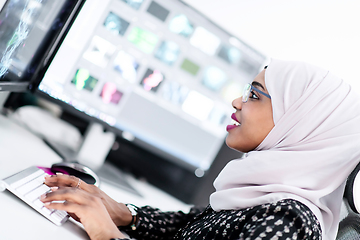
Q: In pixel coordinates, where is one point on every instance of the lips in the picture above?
(233, 117)
(235, 125)
(229, 127)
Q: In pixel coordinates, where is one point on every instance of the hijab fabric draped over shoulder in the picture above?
(310, 152)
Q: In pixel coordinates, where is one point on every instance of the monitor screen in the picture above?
(30, 31)
(155, 70)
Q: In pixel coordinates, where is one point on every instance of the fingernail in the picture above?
(43, 196)
(59, 173)
(54, 188)
(46, 204)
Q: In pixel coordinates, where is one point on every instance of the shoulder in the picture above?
(285, 218)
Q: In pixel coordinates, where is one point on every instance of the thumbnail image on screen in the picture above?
(134, 3)
(83, 80)
(174, 92)
(181, 25)
(116, 24)
(158, 11)
(99, 51)
(168, 52)
(110, 94)
(144, 40)
(214, 78)
(230, 54)
(190, 67)
(205, 41)
(197, 105)
(152, 80)
(127, 66)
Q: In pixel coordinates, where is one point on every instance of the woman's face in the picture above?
(255, 118)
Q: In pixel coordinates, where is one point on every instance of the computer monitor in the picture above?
(157, 72)
(30, 31)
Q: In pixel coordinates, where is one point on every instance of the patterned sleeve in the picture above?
(286, 219)
(155, 224)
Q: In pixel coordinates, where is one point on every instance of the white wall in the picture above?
(323, 32)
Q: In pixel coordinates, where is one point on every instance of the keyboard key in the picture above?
(38, 203)
(36, 193)
(26, 178)
(46, 211)
(30, 186)
(58, 215)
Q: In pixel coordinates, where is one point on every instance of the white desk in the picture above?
(20, 149)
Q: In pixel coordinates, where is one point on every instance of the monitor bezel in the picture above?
(38, 65)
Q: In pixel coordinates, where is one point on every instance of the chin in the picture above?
(238, 146)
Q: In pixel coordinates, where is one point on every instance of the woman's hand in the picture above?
(118, 212)
(87, 209)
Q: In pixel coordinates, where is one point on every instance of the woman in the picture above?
(299, 127)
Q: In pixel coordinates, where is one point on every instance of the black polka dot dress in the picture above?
(286, 219)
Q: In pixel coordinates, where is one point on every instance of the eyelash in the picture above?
(253, 95)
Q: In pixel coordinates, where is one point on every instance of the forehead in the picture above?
(260, 78)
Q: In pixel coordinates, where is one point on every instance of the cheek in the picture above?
(261, 128)
(267, 123)
(255, 127)
(242, 139)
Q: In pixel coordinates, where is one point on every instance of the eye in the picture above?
(253, 95)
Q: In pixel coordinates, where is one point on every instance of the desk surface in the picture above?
(21, 149)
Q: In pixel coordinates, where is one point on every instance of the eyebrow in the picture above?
(257, 84)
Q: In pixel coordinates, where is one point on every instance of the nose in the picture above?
(237, 103)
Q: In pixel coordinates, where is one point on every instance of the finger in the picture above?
(63, 180)
(75, 195)
(74, 216)
(65, 206)
(60, 180)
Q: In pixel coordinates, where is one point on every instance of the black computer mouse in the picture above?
(78, 170)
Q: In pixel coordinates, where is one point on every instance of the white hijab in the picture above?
(310, 152)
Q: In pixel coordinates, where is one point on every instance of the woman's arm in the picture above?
(118, 212)
(285, 219)
(86, 208)
(153, 223)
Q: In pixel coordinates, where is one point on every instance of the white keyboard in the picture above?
(29, 185)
